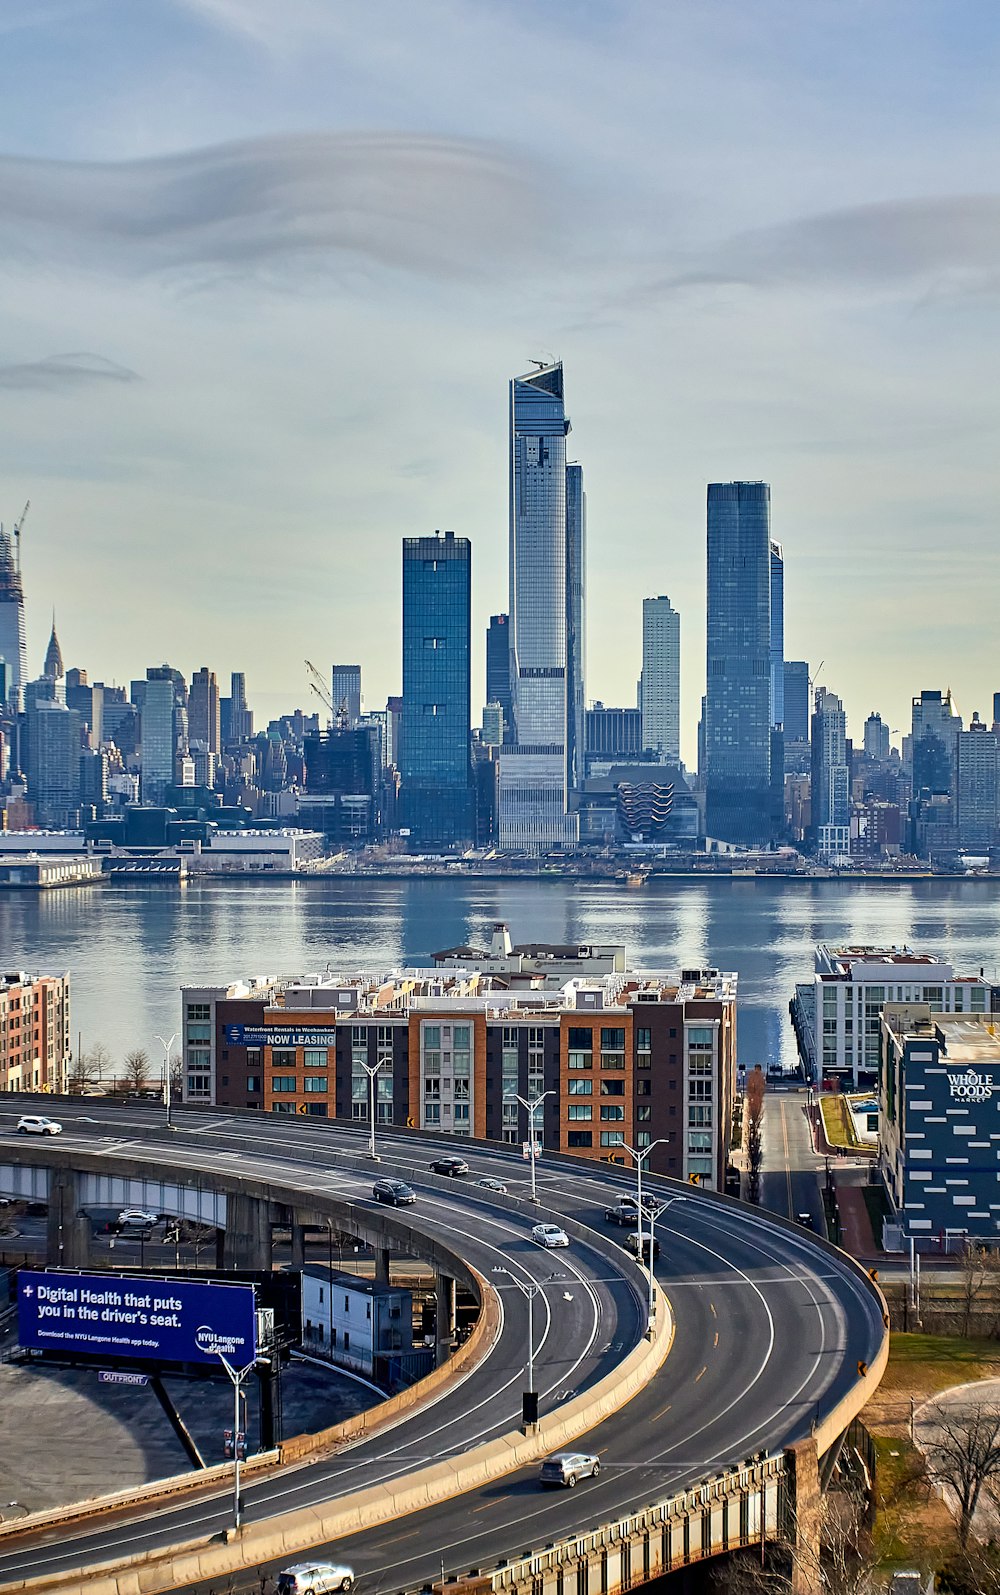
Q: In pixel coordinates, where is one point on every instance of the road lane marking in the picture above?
(715, 1342)
(711, 1308)
(658, 1415)
(700, 1375)
(500, 1500)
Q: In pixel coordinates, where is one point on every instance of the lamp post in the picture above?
(529, 1397)
(371, 1070)
(639, 1155)
(531, 1104)
(166, 1045)
(237, 1375)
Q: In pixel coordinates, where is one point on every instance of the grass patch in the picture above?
(837, 1122)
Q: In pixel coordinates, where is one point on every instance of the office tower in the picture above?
(235, 719)
(493, 725)
(53, 763)
(13, 647)
(435, 770)
(777, 635)
(393, 721)
(996, 709)
(934, 732)
(498, 665)
(576, 624)
(795, 699)
(661, 680)
(830, 775)
(613, 733)
(87, 698)
(739, 796)
(158, 735)
(534, 793)
(203, 710)
(346, 681)
(978, 785)
(876, 737)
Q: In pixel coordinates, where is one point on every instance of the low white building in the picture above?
(361, 1324)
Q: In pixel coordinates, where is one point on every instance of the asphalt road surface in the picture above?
(768, 1331)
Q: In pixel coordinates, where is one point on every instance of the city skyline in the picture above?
(163, 387)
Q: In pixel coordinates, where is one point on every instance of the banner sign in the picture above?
(164, 1320)
(253, 1036)
(110, 1376)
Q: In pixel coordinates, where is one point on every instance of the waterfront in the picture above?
(130, 947)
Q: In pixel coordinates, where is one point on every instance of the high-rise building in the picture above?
(53, 656)
(203, 710)
(235, 718)
(876, 737)
(576, 625)
(613, 733)
(777, 635)
(53, 763)
(534, 768)
(492, 732)
(13, 646)
(158, 735)
(934, 743)
(661, 679)
(498, 665)
(830, 775)
(87, 698)
(795, 700)
(346, 682)
(434, 761)
(978, 785)
(739, 793)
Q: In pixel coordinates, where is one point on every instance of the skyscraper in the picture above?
(158, 738)
(576, 626)
(661, 679)
(739, 797)
(346, 682)
(978, 785)
(203, 710)
(235, 718)
(777, 636)
(434, 758)
(534, 767)
(13, 647)
(53, 762)
(498, 665)
(830, 774)
(876, 737)
(795, 700)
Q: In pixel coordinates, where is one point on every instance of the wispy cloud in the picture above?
(439, 206)
(65, 371)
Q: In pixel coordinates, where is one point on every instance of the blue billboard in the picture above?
(164, 1320)
(297, 1036)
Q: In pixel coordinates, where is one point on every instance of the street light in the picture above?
(237, 1375)
(639, 1156)
(529, 1397)
(166, 1045)
(371, 1070)
(531, 1104)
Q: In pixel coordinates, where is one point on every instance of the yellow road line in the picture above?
(662, 1413)
(488, 1506)
(715, 1342)
(701, 1375)
(711, 1308)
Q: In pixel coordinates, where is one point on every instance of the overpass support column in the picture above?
(383, 1257)
(68, 1234)
(298, 1246)
(445, 1316)
(807, 1507)
(247, 1241)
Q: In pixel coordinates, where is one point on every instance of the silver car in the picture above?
(549, 1235)
(566, 1467)
(314, 1578)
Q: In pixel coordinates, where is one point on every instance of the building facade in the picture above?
(13, 645)
(613, 733)
(346, 688)
(777, 568)
(624, 1060)
(978, 786)
(158, 738)
(830, 794)
(34, 1032)
(576, 626)
(498, 665)
(434, 760)
(739, 797)
(661, 680)
(203, 710)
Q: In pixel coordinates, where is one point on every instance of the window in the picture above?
(253, 1083)
(314, 1057)
(315, 1082)
(282, 1107)
(700, 1113)
(283, 1082)
(643, 1039)
(612, 1138)
(317, 1110)
(699, 1141)
(580, 1060)
(610, 1111)
(580, 1110)
(580, 1088)
(580, 1038)
(643, 1114)
(432, 1036)
(283, 1057)
(432, 1113)
(612, 1046)
(644, 1088)
(195, 1010)
(612, 1088)
(432, 1087)
(579, 1138)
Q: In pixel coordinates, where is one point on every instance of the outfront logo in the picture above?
(971, 1087)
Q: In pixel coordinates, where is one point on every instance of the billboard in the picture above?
(297, 1036)
(164, 1320)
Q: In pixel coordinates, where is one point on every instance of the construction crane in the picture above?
(318, 686)
(17, 535)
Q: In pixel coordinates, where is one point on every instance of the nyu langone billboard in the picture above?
(164, 1320)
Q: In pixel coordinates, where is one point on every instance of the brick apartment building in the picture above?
(34, 1032)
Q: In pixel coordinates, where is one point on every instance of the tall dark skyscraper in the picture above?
(498, 665)
(434, 758)
(796, 700)
(576, 626)
(739, 798)
(777, 635)
(13, 647)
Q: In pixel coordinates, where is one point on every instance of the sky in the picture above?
(266, 270)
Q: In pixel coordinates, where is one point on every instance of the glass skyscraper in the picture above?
(576, 625)
(13, 649)
(739, 797)
(159, 741)
(498, 665)
(346, 681)
(546, 603)
(777, 636)
(434, 759)
(661, 679)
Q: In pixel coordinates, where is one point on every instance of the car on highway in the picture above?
(489, 1182)
(549, 1235)
(314, 1578)
(37, 1124)
(638, 1244)
(396, 1192)
(805, 1219)
(566, 1467)
(449, 1165)
(137, 1218)
(623, 1212)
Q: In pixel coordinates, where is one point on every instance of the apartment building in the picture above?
(617, 1059)
(34, 1032)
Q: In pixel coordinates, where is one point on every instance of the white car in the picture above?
(549, 1235)
(314, 1578)
(37, 1124)
(137, 1218)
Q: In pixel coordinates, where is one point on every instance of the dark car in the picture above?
(624, 1212)
(805, 1219)
(450, 1165)
(639, 1245)
(396, 1192)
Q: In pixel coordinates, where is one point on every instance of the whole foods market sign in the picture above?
(971, 1087)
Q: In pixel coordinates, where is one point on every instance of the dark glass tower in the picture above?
(739, 796)
(576, 613)
(796, 700)
(498, 665)
(434, 763)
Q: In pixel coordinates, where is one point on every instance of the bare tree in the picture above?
(89, 1068)
(974, 1571)
(978, 1280)
(963, 1451)
(845, 1565)
(137, 1069)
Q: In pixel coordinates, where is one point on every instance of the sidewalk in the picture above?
(856, 1226)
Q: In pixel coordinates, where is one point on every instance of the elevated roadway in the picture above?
(770, 1326)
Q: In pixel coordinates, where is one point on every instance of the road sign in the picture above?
(110, 1376)
(162, 1320)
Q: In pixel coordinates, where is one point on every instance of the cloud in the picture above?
(948, 245)
(65, 371)
(446, 207)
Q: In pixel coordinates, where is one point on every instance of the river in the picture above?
(129, 947)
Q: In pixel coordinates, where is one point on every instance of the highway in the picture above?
(769, 1328)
